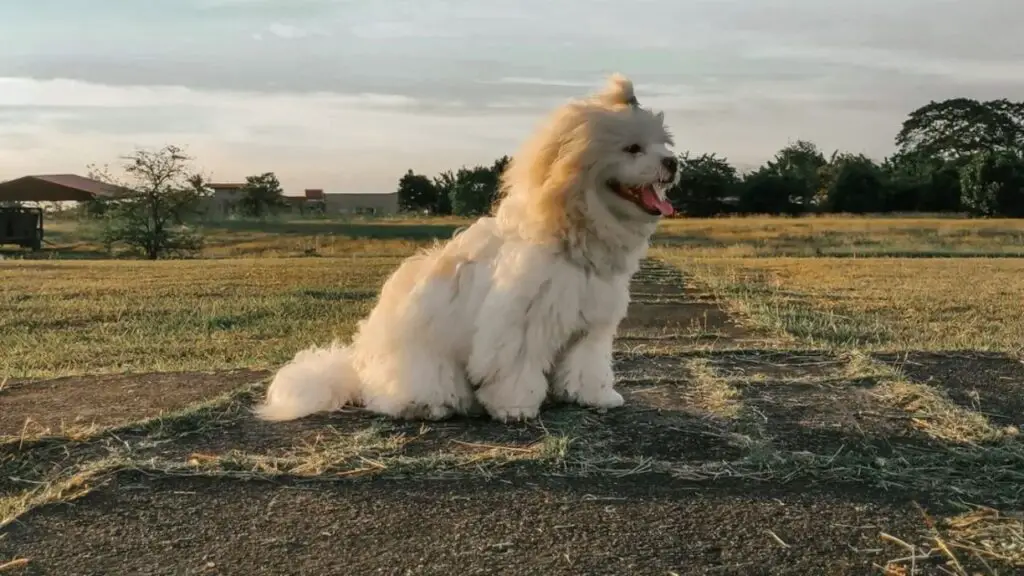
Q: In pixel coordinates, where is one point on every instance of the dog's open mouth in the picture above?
(645, 196)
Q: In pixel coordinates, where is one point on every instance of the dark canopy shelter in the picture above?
(56, 188)
(24, 226)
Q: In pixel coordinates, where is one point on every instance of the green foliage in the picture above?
(800, 162)
(416, 193)
(920, 183)
(474, 192)
(261, 195)
(958, 128)
(476, 189)
(767, 191)
(855, 184)
(705, 182)
(993, 184)
(444, 183)
(466, 192)
(160, 192)
(943, 147)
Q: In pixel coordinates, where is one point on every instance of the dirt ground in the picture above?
(55, 406)
(645, 525)
(727, 458)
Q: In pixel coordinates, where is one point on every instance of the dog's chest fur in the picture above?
(604, 300)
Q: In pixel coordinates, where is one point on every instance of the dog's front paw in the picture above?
(601, 398)
(510, 403)
(513, 414)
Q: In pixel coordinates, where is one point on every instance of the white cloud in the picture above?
(288, 31)
(365, 142)
(343, 142)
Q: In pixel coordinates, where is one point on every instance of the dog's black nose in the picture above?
(670, 163)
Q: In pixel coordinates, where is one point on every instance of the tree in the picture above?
(704, 183)
(940, 140)
(801, 162)
(500, 165)
(160, 192)
(475, 190)
(920, 183)
(993, 184)
(958, 128)
(416, 193)
(854, 183)
(261, 195)
(444, 184)
(766, 191)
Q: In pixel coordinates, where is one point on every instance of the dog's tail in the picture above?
(316, 380)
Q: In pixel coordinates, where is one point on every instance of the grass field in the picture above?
(838, 395)
(838, 236)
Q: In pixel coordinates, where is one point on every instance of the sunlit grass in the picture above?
(874, 303)
(66, 317)
(260, 291)
(844, 236)
(729, 237)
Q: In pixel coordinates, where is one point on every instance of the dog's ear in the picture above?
(618, 91)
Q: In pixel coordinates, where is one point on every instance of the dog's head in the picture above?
(602, 157)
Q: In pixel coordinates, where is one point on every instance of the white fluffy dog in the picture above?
(519, 306)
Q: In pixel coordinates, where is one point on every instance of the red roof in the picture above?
(314, 194)
(56, 188)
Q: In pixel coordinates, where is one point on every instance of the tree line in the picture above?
(465, 192)
(958, 155)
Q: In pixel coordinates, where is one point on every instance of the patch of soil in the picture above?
(650, 367)
(696, 317)
(990, 383)
(644, 524)
(823, 417)
(774, 364)
(664, 306)
(657, 280)
(23, 467)
(47, 406)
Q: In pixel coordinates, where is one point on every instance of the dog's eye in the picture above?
(633, 149)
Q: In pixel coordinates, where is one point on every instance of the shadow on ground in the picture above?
(646, 524)
(990, 383)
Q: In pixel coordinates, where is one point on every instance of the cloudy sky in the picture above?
(348, 94)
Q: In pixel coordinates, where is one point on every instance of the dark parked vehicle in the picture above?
(22, 226)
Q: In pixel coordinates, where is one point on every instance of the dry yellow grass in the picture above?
(733, 237)
(874, 303)
(844, 236)
(272, 239)
(711, 392)
(111, 316)
(255, 303)
(930, 409)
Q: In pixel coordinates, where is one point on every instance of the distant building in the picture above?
(222, 202)
(309, 203)
(316, 201)
(224, 199)
(369, 204)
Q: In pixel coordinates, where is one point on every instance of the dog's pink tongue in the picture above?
(650, 200)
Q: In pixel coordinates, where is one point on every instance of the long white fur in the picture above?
(518, 307)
